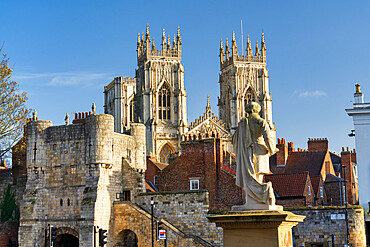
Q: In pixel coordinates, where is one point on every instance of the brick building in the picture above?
(153, 167)
(328, 171)
(292, 190)
(201, 167)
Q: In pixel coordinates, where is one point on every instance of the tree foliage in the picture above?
(13, 111)
(9, 210)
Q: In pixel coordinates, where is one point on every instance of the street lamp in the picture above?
(152, 207)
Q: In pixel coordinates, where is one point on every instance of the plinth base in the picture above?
(260, 206)
(257, 228)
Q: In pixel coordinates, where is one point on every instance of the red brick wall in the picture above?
(151, 171)
(9, 232)
(352, 187)
(291, 202)
(333, 193)
(202, 159)
(318, 144)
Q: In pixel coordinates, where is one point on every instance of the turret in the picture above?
(263, 49)
(164, 42)
(234, 48)
(222, 53)
(147, 40)
(227, 50)
(257, 53)
(249, 50)
(178, 40)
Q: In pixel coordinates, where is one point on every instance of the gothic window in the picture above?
(248, 97)
(131, 111)
(165, 153)
(164, 103)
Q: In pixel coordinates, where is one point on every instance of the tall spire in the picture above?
(227, 51)
(153, 45)
(208, 107)
(263, 48)
(164, 41)
(147, 34)
(249, 49)
(234, 48)
(257, 53)
(174, 42)
(222, 54)
(169, 43)
(178, 35)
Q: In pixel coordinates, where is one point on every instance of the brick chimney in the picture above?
(282, 154)
(318, 144)
(291, 147)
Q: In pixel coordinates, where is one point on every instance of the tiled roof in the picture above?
(288, 184)
(310, 161)
(332, 178)
(315, 183)
(159, 165)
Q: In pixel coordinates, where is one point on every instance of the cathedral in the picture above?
(156, 96)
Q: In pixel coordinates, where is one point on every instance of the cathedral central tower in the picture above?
(243, 79)
(160, 100)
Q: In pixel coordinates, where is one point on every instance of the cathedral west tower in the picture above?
(160, 100)
(243, 79)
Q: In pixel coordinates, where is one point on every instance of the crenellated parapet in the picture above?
(231, 55)
(146, 46)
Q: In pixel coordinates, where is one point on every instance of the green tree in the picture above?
(13, 111)
(9, 210)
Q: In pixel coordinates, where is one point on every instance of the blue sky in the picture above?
(64, 52)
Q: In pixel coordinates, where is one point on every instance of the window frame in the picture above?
(196, 182)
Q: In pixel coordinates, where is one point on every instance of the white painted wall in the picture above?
(361, 121)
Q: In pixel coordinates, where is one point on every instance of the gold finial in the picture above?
(169, 43)
(221, 45)
(147, 28)
(233, 35)
(138, 38)
(358, 89)
(163, 33)
(208, 104)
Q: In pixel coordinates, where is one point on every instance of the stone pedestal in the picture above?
(265, 228)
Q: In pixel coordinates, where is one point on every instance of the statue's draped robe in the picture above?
(253, 144)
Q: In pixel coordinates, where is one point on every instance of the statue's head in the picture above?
(253, 107)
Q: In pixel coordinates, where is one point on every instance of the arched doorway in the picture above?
(126, 238)
(66, 240)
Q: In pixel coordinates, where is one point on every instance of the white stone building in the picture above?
(361, 121)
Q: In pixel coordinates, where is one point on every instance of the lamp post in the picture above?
(152, 207)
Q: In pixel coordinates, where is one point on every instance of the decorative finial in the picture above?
(358, 88)
(147, 28)
(257, 53)
(153, 45)
(169, 43)
(164, 33)
(138, 38)
(233, 35)
(221, 45)
(93, 108)
(178, 31)
(34, 114)
(208, 107)
(208, 104)
(67, 118)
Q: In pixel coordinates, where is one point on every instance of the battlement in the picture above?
(146, 47)
(120, 79)
(227, 57)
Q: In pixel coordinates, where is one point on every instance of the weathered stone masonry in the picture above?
(74, 173)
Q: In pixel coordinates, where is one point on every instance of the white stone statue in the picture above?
(93, 108)
(253, 144)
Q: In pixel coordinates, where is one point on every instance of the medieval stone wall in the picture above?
(186, 210)
(322, 223)
(74, 175)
